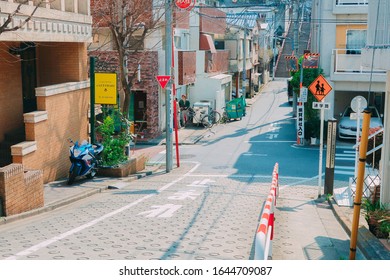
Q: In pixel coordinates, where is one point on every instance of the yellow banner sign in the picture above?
(105, 88)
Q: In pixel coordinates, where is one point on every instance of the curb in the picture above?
(370, 246)
(66, 201)
(50, 207)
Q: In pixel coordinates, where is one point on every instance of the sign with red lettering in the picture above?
(163, 80)
(184, 4)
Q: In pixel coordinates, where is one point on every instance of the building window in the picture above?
(219, 45)
(177, 40)
(356, 40)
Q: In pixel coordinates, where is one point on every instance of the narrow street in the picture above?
(207, 209)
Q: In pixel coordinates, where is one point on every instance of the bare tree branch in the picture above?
(4, 27)
(130, 23)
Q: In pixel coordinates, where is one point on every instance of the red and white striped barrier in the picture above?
(264, 235)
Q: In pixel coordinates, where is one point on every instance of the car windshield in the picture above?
(374, 112)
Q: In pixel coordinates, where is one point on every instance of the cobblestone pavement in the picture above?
(178, 215)
(125, 218)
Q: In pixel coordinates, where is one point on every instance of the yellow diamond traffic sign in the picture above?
(320, 88)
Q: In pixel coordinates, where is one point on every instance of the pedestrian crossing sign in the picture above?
(320, 88)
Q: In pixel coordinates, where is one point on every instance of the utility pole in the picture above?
(168, 89)
(274, 46)
(295, 49)
(244, 64)
(296, 26)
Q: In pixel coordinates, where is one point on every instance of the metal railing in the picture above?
(351, 2)
(372, 179)
(375, 148)
(72, 6)
(350, 61)
(264, 235)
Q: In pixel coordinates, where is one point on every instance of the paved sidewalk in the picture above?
(300, 215)
(308, 227)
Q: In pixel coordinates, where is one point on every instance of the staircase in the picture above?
(10, 138)
(304, 44)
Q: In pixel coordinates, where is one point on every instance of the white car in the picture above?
(347, 127)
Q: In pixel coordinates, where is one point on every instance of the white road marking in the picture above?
(46, 243)
(252, 154)
(161, 211)
(267, 141)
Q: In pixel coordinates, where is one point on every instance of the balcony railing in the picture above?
(53, 21)
(71, 6)
(351, 61)
(351, 2)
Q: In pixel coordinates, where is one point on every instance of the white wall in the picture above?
(211, 89)
(385, 161)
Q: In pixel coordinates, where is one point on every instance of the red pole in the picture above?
(176, 132)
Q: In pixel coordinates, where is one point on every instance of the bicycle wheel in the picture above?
(224, 118)
(216, 118)
(206, 122)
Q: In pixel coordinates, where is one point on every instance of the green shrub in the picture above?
(114, 142)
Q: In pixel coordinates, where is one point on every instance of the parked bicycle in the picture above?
(206, 121)
(224, 118)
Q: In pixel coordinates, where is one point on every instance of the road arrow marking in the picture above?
(272, 136)
(161, 211)
(182, 195)
(202, 184)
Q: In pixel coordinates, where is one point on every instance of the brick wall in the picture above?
(61, 62)
(217, 62)
(67, 117)
(186, 67)
(21, 190)
(148, 83)
(213, 20)
(11, 97)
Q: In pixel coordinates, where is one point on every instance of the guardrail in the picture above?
(264, 235)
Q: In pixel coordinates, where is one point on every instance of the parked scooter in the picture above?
(85, 159)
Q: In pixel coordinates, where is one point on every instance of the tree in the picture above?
(130, 22)
(309, 75)
(5, 26)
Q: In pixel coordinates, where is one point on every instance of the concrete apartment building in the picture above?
(44, 95)
(340, 34)
(352, 37)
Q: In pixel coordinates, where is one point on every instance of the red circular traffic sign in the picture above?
(183, 4)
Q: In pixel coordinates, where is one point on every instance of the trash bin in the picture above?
(201, 108)
(236, 108)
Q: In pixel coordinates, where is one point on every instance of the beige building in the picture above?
(44, 86)
(353, 39)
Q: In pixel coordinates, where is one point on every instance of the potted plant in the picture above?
(114, 142)
(378, 218)
(115, 137)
